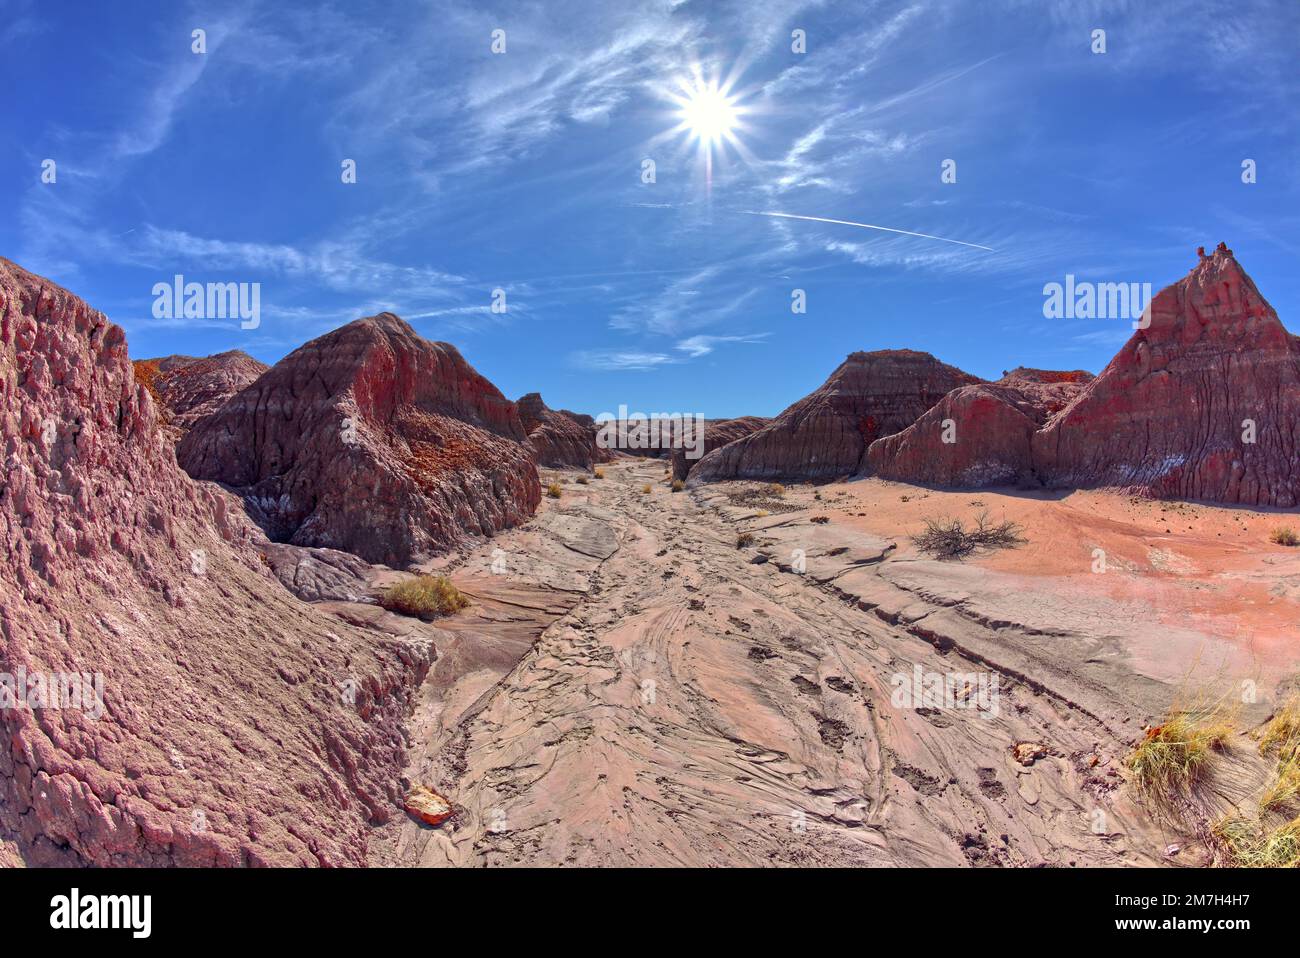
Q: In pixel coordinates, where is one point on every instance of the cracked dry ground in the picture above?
(768, 734)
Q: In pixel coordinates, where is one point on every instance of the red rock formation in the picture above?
(826, 434)
(979, 435)
(189, 388)
(1171, 414)
(373, 441)
(717, 433)
(239, 725)
(557, 437)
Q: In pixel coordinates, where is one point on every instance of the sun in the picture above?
(709, 114)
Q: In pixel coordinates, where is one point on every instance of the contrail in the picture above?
(868, 226)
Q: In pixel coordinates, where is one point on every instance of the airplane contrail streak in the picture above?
(868, 226)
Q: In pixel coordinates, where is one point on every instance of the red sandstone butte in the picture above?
(240, 726)
(557, 437)
(826, 434)
(187, 388)
(990, 427)
(370, 440)
(1171, 414)
(717, 433)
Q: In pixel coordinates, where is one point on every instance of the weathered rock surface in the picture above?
(826, 434)
(1172, 414)
(979, 435)
(239, 726)
(187, 388)
(557, 437)
(717, 433)
(370, 440)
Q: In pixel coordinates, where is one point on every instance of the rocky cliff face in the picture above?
(371, 440)
(557, 437)
(1203, 404)
(826, 434)
(717, 433)
(979, 435)
(187, 388)
(179, 705)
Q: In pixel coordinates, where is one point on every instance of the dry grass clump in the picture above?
(744, 540)
(950, 539)
(1282, 732)
(776, 489)
(599, 474)
(1174, 755)
(553, 490)
(426, 597)
(678, 485)
(1251, 844)
(1284, 787)
(646, 489)
(1284, 536)
(583, 481)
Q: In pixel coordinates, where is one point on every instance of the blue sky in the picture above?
(523, 171)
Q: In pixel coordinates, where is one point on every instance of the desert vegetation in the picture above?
(945, 538)
(1285, 536)
(425, 597)
(553, 489)
(1173, 755)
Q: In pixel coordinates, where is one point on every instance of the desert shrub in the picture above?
(426, 597)
(678, 485)
(646, 489)
(776, 489)
(553, 490)
(744, 540)
(583, 481)
(950, 539)
(1284, 536)
(599, 474)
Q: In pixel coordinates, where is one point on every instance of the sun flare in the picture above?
(709, 114)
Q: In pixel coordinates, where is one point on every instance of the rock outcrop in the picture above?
(187, 388)
(370, 440)
(826, 434)
(557, 437)
(166, 700)
(979, 435)
(717, 433)
(1202, 404)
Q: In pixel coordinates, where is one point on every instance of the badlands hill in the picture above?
(826, 434)
(187, 388)
(237, 725)
(370, 440)
(557, 437)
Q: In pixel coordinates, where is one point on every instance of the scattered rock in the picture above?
(427, 805)
(1027, 753)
